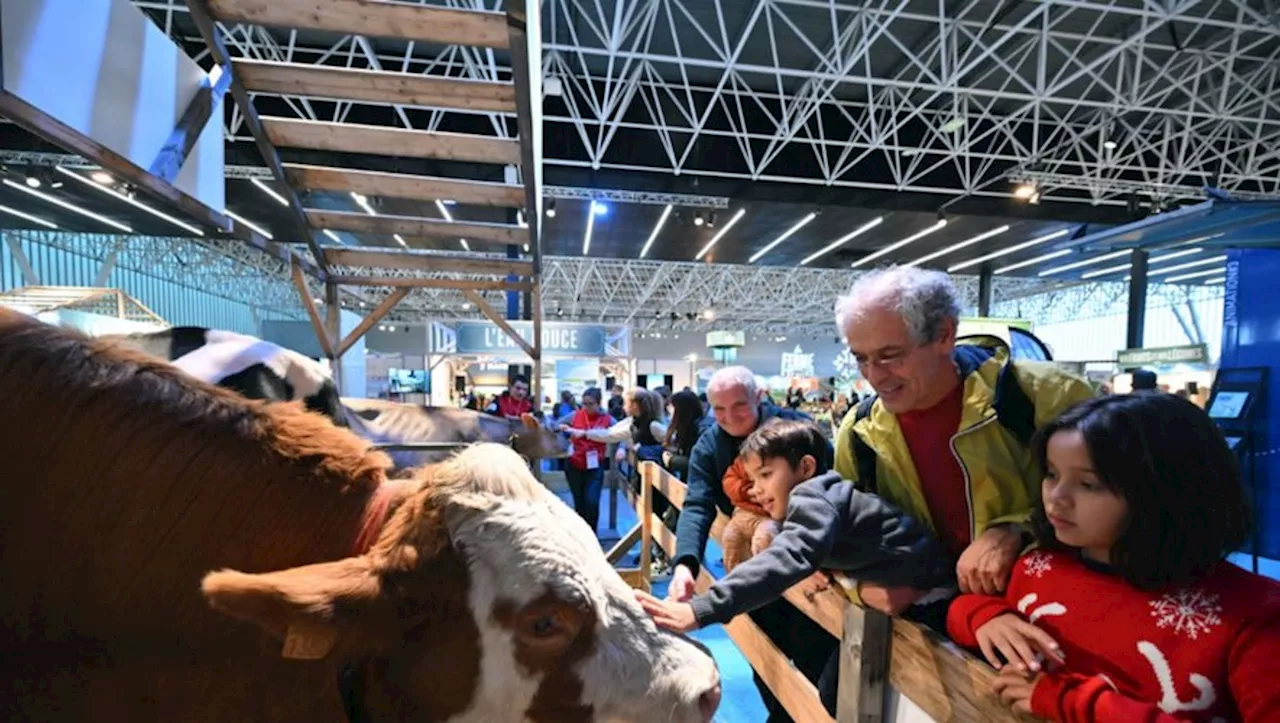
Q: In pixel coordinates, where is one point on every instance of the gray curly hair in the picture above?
(924, 298)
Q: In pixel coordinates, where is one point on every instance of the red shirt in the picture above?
(582, 445)
(509, 406)
(928, 434)
(1207, 651)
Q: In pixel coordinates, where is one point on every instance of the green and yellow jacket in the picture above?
(1001, 478)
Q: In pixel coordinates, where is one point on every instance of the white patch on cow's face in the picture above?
(226, 353)
(521, 550)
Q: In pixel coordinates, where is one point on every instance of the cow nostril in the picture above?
(709, 701)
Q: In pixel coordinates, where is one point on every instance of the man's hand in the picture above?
(1015, 688)
(677, 616)
(888, 600)
(985, 565)
(680, 589)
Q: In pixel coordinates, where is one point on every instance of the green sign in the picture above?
(1158, 356)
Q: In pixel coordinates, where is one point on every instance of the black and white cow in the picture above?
(256, 368)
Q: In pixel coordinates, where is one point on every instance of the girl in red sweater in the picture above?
(1128, 611)
(584, 470)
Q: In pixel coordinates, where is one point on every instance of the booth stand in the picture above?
(1236, 406)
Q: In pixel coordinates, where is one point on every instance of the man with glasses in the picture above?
(946, 436)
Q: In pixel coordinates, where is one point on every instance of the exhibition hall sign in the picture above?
(476, 337)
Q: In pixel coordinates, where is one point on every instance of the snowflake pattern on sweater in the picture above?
(1205, 652)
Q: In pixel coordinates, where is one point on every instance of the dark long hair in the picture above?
(1170, 463)
(687, 412)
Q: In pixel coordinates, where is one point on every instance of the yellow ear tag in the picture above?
(308, 642)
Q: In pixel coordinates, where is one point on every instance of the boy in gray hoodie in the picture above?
(826, 524)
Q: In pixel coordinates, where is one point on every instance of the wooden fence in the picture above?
(941, 679)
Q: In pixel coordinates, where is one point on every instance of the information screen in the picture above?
(1228, 405)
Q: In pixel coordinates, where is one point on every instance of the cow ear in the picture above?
(530, 421)
(310, 608)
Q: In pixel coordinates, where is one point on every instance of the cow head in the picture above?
(484, 599)
(533, 439)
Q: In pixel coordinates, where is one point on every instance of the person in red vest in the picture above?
(513, 402)
(584, 470)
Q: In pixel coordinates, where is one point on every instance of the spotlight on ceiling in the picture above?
(551, 208)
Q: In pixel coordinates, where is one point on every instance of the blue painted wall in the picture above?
(178, 304)
(1251, 338)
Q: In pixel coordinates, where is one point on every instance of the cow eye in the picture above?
(544, 627)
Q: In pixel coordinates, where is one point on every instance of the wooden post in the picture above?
(333, 330)
(646, 516)
(864, 665)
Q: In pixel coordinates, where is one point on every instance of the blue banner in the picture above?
(476, 337)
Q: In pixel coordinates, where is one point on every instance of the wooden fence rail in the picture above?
(941, 679)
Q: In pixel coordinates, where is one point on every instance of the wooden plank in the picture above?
(864, 665)
(386, 141)
(475, 298)
(199, 12)
(635, 577)
(525, 27)
(378, 18)
(411, 283)
(647, 521)
(395, 297)
(789, 686)
(173, 154)
(308, 303)
(394, 259)
(375, 86)
(388, 225)
(628, 541)
(400, 185)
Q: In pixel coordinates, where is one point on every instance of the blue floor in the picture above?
(740, 702)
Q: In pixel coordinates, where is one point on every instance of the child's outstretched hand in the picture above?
(1015, 688)
(814, 584)
(676, 616)
(1017, 640)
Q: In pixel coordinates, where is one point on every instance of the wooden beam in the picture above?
(524, 25)
(387, 141)
(411, 283)
(387, 225)
(635, 577)
(372, 17)
(864, 665)
(393, 259)
(199, 12)
(367, 323)
(475, 298)
(399, 185)
(628, 541)
(183, 138)
(308, 303)
(376, 86)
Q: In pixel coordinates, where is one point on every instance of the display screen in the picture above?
(401, 381)
(1228, 405)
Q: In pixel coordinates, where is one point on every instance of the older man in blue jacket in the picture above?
(735, 403)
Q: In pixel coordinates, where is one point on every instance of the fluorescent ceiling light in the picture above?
(786, 235)
(1175, 255)
(333, 235)
(465, 246)
(1086, 262)
(363, 201)
(1103, 272)
(963, 244)
(29, 217)
(899, 244)
(399, 239)
(1010, 250)
(1193, 275)
(847, 237)
(116, 194)
(261, 231)
(586, 237)
(658, 227)
(1190, 265)
(444, 211)
(1216, 282)
(269, 190)
(69, 206)
(1032, 261)
(718, 236)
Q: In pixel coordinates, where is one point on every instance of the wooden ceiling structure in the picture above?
(516, 31)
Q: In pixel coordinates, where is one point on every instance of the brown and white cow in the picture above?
(170, 550)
